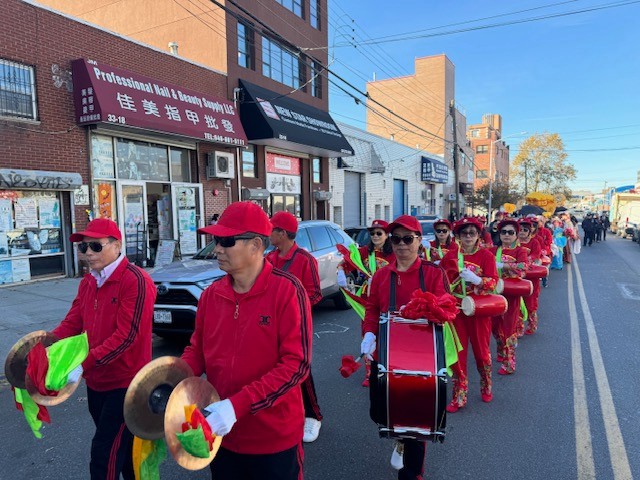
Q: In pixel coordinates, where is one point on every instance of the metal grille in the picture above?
(17, 90)
(177, 297)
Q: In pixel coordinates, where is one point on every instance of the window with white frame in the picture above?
(281, 65)
(17, 90)
(482, 149)
(475, 133)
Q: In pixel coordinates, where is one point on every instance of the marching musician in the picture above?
(511, 261)
(288, 257)
(114, 305)
(471, 269)
(252, 338)
(443, 242)
(409, 271)
(534, 252)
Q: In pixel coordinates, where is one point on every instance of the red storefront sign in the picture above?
(277, 163)
(105, 94)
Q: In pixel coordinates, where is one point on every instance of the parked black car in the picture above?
(360, 235)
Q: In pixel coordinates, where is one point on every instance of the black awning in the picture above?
(272, 119)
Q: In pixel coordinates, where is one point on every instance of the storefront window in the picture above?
(180, 165)
(141, 160)
(102, 156)
(249, 162)
(317, 170)
(31, 241)
(104, 200)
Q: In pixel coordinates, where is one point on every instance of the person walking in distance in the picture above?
(288, 257)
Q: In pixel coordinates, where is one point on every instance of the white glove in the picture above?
(75, 375)
(468, 276)
(437, 262)
(342, 278)
(499, 264)
(368, 345)
(222, 417)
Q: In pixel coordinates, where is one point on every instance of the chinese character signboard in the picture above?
(105, 94)
(433, 171)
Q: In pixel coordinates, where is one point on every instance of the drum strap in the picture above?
(392, 288)
(287, 265)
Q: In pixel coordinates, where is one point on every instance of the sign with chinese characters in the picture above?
(433, 171)
(105, 94)
(277, 183)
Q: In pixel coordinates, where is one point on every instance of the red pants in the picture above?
(532, 300)
(476, 330)
(505, 325)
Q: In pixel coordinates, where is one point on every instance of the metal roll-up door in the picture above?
(352, 200)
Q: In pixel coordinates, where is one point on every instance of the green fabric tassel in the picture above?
(452, 346)
(64, 356)
(523, 310)
(357, 307)
(150, 466)
(30, 410)
(356, 259)
(194, 443)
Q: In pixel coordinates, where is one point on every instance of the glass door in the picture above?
(187, 216)
(133, 220)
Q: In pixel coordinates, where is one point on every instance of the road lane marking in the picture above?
(617, 450)
(584, 449)
(630, 291)
(331, 328)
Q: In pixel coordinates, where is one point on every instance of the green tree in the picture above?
(501, 192)
(541, 166)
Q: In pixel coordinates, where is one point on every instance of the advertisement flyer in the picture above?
(6, 220)
(20, 270)
(49, 213)
(5, 272)
(187, 229)
(26, 213)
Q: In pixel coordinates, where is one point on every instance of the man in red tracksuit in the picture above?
(289, 257)
(406, 233)
(114, 306)
(253, 340)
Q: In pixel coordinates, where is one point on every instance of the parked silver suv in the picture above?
(181, 283)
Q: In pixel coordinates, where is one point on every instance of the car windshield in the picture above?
(427, 228)
(207, 252)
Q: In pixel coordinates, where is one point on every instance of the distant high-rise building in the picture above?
(485, 142)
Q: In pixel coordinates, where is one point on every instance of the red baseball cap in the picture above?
(463, 222)
(98, 228)
(509, 221)
(379, 224)
(525, 221)
(286, 221)
(239, 218)
(442, 221)
(406, 221)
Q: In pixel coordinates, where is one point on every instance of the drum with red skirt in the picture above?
(484, 305)
(536, 271)
(517, 287)
(408, 384)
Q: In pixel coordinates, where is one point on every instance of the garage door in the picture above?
(352, 198)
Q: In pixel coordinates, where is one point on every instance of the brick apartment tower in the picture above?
(485, 142)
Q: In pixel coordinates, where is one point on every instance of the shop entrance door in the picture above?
(133, 220)
(187, 216)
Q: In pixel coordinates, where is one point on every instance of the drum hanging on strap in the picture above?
(517, 287)
(408, 385)
(484, 305)
(536, 271)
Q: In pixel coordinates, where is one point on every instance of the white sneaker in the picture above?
(396, 457)
(311, 430)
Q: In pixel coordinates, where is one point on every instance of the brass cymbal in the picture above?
(148, 394)
(15, 366)
(193, 390)
(50, 400)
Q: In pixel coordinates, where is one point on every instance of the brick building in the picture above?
(104, 140)
(485, 138)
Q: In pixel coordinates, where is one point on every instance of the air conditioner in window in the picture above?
(220, 165)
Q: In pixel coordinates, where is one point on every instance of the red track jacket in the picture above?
(256, 349)
(118, 320)
(303, 266)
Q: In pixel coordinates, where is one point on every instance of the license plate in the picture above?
(161, 316)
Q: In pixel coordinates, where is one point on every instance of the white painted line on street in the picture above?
(584, 449)
(617, 450)
(630, 291)
(331, 328)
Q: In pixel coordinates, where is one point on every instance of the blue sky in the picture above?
(577, 75)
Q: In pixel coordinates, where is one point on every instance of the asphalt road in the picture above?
(570, 411)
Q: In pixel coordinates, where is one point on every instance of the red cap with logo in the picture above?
(98, 228)
(442, 221)
(286, 221)
(509, 221)
(406, 221)
(379, 224)
(463, 222)
(239, 218)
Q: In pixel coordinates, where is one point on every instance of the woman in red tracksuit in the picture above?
(511, 261)
(534, 252)
(443, 242)
(471, 269)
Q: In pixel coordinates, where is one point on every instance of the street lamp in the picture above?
(491, 169)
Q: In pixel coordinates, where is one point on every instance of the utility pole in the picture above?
(452, 112)
(526, 191)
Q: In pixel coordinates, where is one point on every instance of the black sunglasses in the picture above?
(377, 234)
(228, 242)
(407, 239)
(442, 230)
(507, 232)
(94, 246)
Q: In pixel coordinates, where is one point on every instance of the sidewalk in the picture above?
(33, 306)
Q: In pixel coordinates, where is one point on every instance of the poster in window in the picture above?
(134, 214)
(26, 213)
(49, 213)
(4, 244)
(105, 200)
(6, 275)
(187, 229)
(6, 220)
(102, 156)
(186, 197)
(20, 270)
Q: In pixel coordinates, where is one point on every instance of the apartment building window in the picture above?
(314, 13)
(316, 80)
(17, 90)
(482, 174)
(475, 133)
(249, 162)
(317, 170)
(281, 65)
(245, 46)
(482, 149)
(294, 5)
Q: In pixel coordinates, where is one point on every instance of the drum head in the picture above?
(468, 306)
(500, 286)
(192, 390)
(15, 366)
